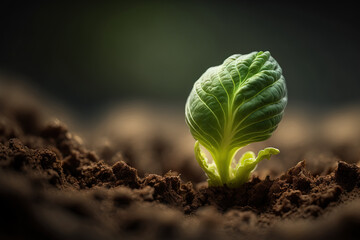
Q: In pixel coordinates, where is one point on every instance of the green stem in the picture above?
(223, 161)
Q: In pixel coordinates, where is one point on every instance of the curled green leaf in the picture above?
(210, 169)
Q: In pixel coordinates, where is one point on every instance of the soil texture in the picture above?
(53, 187)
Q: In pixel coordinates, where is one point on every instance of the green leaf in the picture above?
(210, 169)
(234, 104)
(247, 165)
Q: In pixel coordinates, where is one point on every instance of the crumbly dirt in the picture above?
(53, 187)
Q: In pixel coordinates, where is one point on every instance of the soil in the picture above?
(53, 187)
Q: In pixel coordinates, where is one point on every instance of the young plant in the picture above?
(232, 105)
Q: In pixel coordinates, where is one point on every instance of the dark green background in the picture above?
(90, 55)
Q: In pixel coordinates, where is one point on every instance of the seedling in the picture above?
(232, 105)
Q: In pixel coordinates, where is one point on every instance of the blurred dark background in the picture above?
(88, 55)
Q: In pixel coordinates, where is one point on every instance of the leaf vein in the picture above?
(251, 98)
(263, 106)
(215, 98)
(204, 132)
(217, 120)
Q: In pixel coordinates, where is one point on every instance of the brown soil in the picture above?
(52, 187)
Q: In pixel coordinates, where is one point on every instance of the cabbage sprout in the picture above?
(232, 105)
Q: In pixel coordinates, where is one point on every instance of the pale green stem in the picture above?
(223, 161)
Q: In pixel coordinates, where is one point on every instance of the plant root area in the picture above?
(52, 186)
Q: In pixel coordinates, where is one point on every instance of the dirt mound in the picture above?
(52, 187)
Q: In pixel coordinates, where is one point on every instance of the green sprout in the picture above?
(232, 105)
